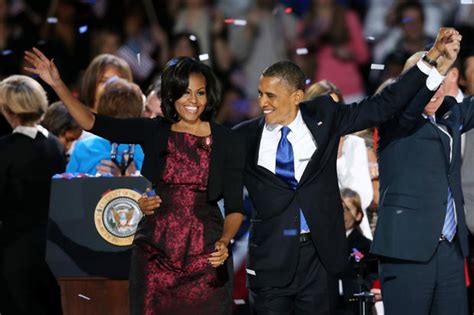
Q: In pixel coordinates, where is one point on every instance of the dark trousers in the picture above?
(435, 287)
(312, 290)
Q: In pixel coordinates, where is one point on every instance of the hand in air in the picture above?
(42, 66)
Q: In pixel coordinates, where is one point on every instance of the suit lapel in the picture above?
(449, 121)
(315, 126)
(444, 140)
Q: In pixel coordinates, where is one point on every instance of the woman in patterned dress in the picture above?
(180, 259)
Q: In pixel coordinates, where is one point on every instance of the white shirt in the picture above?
(353, 173)
(300, 138)
(31, 131)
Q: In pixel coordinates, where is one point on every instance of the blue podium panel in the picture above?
(91, 225)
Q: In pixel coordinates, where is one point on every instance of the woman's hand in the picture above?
(149, 204)
(221, 253)
(42, 66)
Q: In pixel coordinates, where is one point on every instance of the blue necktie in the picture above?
(285, 168)
(449, 227)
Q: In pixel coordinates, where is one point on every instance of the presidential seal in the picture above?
(117, 215)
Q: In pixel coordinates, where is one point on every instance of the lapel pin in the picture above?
(320, 123)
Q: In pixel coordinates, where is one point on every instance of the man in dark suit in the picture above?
(421, 234)
(297, 242)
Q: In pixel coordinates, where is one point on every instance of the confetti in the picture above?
(376, 66)
(6, 52)
(52, 20)
(467, 1)
(370, 38)
(82, 296)
(83, 29)
(288, 10)
(302, 51)
(193, 38)
(239, 302)
(236, 22)
(203, 57)
(139, 59)
(308, 81)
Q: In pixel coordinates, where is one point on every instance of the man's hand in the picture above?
(451, 53)
(446, 35)
(149, 204)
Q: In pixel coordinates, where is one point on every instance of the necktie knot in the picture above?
(431, 119)
(285, 130)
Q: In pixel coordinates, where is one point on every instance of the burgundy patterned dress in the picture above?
(170, 273)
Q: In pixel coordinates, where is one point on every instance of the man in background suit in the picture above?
(467, 170)
(297, 242)
(421, 234)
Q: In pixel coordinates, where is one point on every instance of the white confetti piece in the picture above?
(139, 61)
(376, 66)
(239, 302)
(82, 296)
(204, 57)
(52, 20)
(251, 272)
(302, 51)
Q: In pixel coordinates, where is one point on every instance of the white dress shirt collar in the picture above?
(31, 131)
(295, 126)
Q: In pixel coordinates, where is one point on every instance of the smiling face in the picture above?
(192, 103)
(279, 103)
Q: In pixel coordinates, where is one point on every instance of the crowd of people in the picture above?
(116, 84)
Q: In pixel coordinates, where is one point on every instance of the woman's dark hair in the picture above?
(175, 81)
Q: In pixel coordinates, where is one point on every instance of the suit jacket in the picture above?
(274, 243)
(26, 167)
(227, 159)
(416, 168)
(467, 178)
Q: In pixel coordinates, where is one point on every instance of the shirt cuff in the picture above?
(434, 79)
(423, 67)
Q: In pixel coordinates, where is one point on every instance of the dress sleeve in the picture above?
(129, 130)
(233, 169)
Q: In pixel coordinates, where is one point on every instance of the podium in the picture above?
(91, 225)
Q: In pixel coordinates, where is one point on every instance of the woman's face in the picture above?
(194, 100)
(68, 137)
(109, 72)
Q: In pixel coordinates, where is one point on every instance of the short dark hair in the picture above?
(175, 81)
(288, 71)
(58, 120)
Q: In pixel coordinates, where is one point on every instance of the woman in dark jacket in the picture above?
(179, 262)
(29, 157)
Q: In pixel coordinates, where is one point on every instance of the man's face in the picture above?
(469, 76)
(279, 103)
(435, 102)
